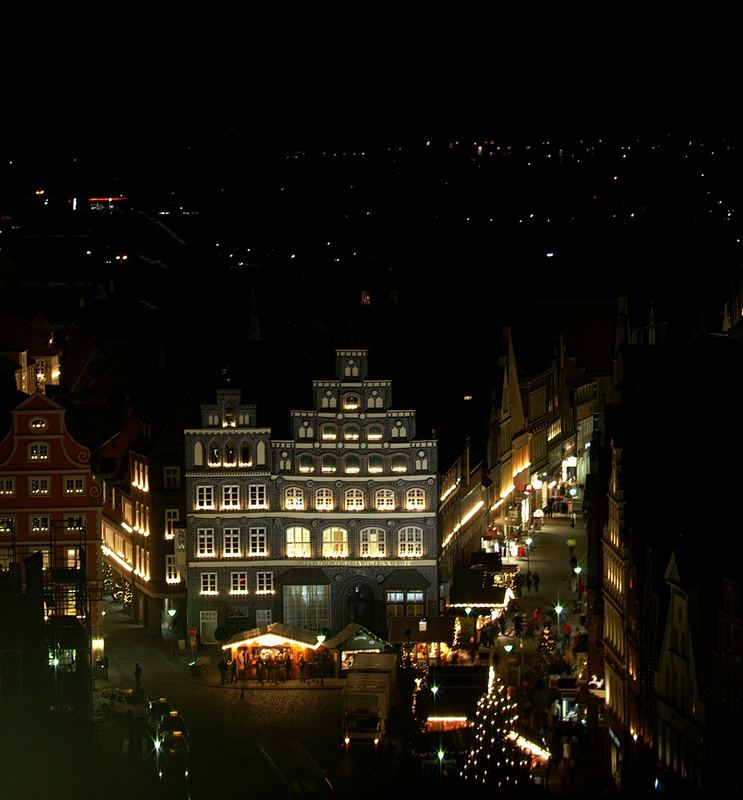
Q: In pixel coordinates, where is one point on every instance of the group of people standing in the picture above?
(266, 667)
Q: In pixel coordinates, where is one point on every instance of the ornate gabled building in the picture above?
(334, 525)
(50, 506)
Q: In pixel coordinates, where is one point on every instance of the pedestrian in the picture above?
(537, 615)
(567, 630)
(302, 664)
(502, 624)
(581, 589)
(535, 578)
(528, 581)
(288, 666)
(517, 625)
(573, 584)
(105, 667)
(223, 666)
(233, 670)
(138, 676)
(260, 671)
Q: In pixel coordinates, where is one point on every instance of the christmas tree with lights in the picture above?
(495, 760)
(546, 650)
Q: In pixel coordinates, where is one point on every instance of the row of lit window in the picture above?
(238, 583)
(372, 543)
(42, 486)
(43, 524)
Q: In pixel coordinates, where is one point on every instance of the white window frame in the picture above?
(372, 543)
(324, 500)
(231, 543)
(410, 542)
(264, 583)
(415, 499)
(353, 499)
(300, 545)
(208, 583)
(257, 541)
(172, 517)
(230, 496)
(205, 497)
(205, 543)
(335, 542)
(239, 582)
(44, 525)
(294, 498)
(171, 569)
(257, 497)
(263, 617)
(384, 500)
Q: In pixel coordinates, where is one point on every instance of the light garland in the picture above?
(496, 759)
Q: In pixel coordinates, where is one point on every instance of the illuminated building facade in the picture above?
(50, 506)
(334, 525)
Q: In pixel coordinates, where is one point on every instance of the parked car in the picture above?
(156, 710)
(124, 701)
(173, 726)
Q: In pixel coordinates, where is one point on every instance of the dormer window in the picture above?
(38, 424)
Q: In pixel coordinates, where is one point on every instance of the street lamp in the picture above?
(321, 666)
(577, 570)
(559, 609)
(171, 613)
(529, 540)
(507, 647)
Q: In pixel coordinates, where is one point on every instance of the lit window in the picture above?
(328, 433)
(335, 543)
(239, 583)
(257, 496)
(351, 402)
(7, 486)
(372, 543)
(38, 451)
(410, 542)
(306, 464)
(74, 485)
(205, 497)
(257, 543)
(324, 499)
(171, 570)
(352, 465)
(354, 500)
(172, 515)
(40, 524)
(415, 500)
(214, 457)
(38, 485)
(74, 523)
(329, 464)
(375, 465)
(230, 497)
(38, 424)
(205, 542)
(351, 433)
(384, 500)
(231, 543)
(399, 463)
(294, 499)
(375, 433)
(298, 542)
(264, 583)
(208, 583)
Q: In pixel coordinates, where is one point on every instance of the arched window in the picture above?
(329, 464)
(214, 456)
(421, 461)
(328, 433)
(306, 464)
(372, 543)
(398, 430)
(410, 542)
(352, 465)
(294, 498)
(399, 463)
(245, 455)
(415, 500)
(351, 402)
(198, 454)
(260, 453)
(354, 500)
(229, 455)
(384, 500)
(375, 433)
(298, 542)
(375, 465)
(335, 543)
(324, 499)
(351, 433)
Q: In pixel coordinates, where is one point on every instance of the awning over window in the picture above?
(277, 634)
(304, 576)
(405, 579)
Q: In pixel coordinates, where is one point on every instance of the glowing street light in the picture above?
(529, 540)
(320, 639)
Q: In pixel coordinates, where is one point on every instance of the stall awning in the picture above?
(304, 576)
(405, 579)
(273, 635)
(356, 637)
